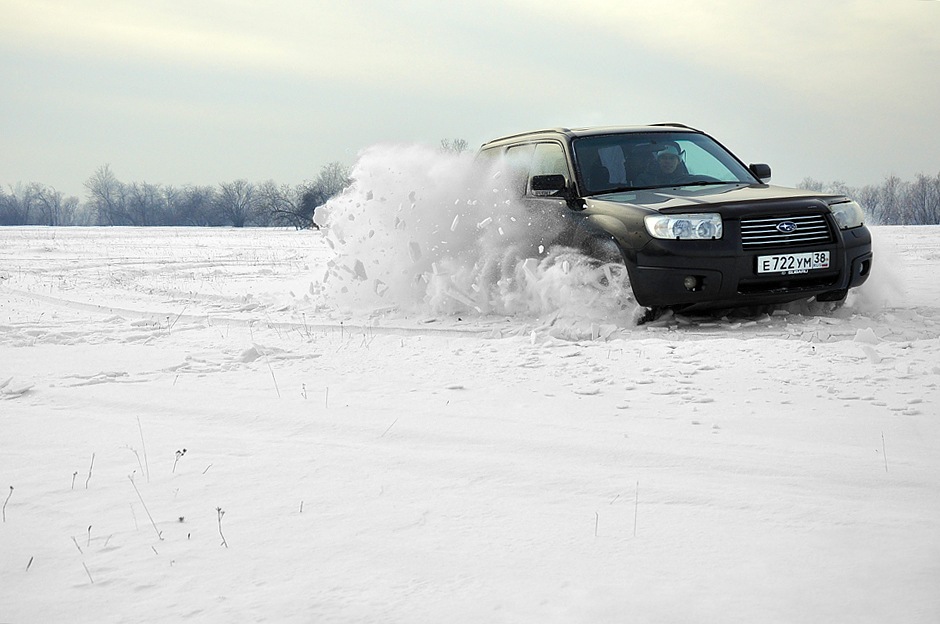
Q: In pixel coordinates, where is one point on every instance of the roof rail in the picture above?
(676, 125)
(520, 134)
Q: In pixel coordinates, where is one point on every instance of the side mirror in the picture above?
(760, 171)
(552, 185)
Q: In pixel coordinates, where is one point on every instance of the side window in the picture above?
(521, 162)
(485, 165)
(517, 162)
(487, 158)
(549, 159)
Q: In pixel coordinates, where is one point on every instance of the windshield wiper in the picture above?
(709, 183)
(631, 189)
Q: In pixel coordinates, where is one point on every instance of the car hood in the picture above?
(679, 198)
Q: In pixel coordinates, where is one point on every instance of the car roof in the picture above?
(593, 131)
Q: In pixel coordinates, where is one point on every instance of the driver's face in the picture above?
(668, 162)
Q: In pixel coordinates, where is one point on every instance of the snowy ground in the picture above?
(190, 431)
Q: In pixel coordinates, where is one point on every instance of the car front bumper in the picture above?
(718, 274)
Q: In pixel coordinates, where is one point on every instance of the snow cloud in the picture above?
(420, 230)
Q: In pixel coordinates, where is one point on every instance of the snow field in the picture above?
(395, 460)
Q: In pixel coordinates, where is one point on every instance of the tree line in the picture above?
(110, 201)
(237, 204)
(894, 201)
(242, 203)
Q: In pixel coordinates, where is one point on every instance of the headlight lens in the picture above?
(848, 215)
(684, 226)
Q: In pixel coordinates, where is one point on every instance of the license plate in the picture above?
(791, 264)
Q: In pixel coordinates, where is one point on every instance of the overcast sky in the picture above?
(209, 91)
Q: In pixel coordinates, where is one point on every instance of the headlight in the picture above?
(848, 215)
(684, 226)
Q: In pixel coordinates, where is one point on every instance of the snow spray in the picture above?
(885, 287)
(423, 231)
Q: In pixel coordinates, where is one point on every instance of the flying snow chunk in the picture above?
(360, 270)
(866, 336)
(414, 250)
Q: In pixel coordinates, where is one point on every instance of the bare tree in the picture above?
(145, 204)
(17, 207)
(284, 204)
(891, 194)
(238, 202)
(894, 201)
(108, 197)
(454, 146)
(869, 198)
(190, 206)
(923, 199)
(5, 208)
(332, 180)
(8, 208)
(811, 184)
(54, 208)
(198, 206)
(295, 206)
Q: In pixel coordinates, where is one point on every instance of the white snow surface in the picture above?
(195, 426)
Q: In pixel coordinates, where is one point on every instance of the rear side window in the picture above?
(519, 163)
(516, 165)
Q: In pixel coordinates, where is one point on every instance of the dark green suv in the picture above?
(695, 227)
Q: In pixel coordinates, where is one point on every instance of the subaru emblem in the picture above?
(787, 227)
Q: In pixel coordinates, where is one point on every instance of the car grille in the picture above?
(766, 231)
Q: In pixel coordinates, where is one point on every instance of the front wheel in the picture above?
(602, 248)
(648, 315)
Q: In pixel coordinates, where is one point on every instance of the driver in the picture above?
(667, 168)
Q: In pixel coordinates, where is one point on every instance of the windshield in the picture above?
(628, 161)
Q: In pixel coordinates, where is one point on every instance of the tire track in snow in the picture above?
(168, 319)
